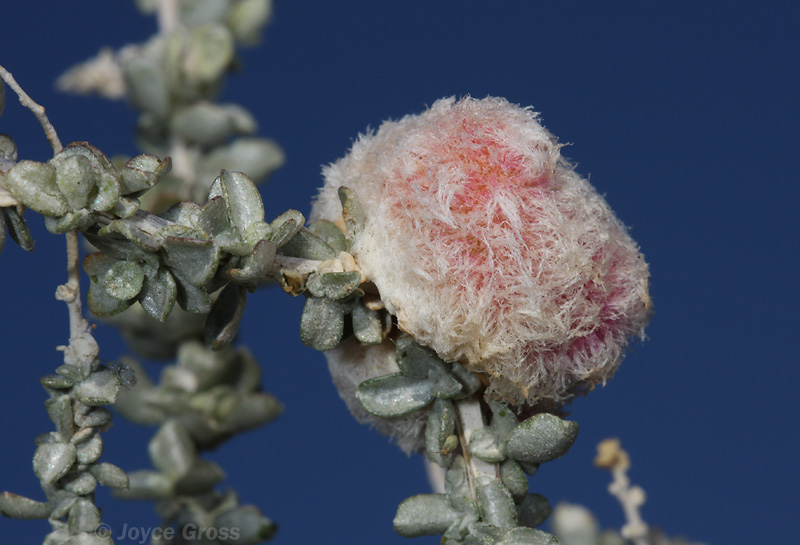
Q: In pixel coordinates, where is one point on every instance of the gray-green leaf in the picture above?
(483, 445)
(334, 285)
(209, 52)
(258, 157)
(17, 228)
(470, 382)
(415, 360)
(533, 510)
(515, 479)
(495, 503)
(241, 197)
(457, 487)
(172, 450)
(104, 185)
(145, 83)
(142, 172)
(90, 450)
(253, 526)
(109, 475)
(424, 514)
(143, 240)
(124, 280)
(20, 507)
(200, 478)
(194, 260)
(255, 265)
(252, 410)
(52, 461)
(83, 517)
(541, 438)
(322, 323)
(528, 536)
(59, 408)
(441, 425)
(395, 395)
(35, 185)
(247, 18)
(285, 226)
(73, 219)
(307, 245)
(76, 178)
(102, 304)
(158, 294)
(504, 420)
(191, 298)
(330, 234)
(146, 485)
(212, 218)
(209, 124)
(354, 217)
(367, 326)
(223, 321)
(81, 483)
(101, 388)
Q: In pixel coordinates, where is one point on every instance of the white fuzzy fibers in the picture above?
(491, 250)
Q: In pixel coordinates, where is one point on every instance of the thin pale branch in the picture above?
(611, 456)
(82, 348)
(37, 109)
(470, 418)
(168, 15)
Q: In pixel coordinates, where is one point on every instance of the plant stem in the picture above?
(70, 292)
(436, 476)
(470, 418)
(37, 109)
(83, 348)
(611, 456)
(183, 168)
(631, 499)
(168, 18)
(168, 15)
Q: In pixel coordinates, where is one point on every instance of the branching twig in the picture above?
(82, 348)
(611, 456)
(37, 109)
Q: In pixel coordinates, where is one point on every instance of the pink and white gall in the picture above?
(489, 248)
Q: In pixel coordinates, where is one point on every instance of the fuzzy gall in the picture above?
(489, 248)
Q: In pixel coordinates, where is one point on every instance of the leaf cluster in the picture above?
(182, 255)
(485, 510)
(475, 509)
(174, 78)
(335, 299)
(66, 460)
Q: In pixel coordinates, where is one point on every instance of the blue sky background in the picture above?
(684, 114)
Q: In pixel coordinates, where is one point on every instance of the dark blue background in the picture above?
(683, 113)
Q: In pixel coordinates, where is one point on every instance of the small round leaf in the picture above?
(35, 185)
(52, 461)
(425, 514)
(124, 280)
(541, 438)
